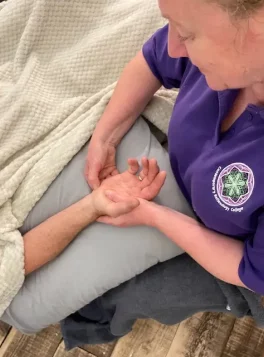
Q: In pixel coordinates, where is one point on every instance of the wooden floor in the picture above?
(203, 335)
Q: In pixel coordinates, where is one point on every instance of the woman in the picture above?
(214, 134)
(213, 51)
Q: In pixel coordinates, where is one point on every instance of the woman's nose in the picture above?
(176, 48)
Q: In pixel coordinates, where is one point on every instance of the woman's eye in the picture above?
(183, 38)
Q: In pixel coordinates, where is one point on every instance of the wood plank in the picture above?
(104, 350)
(4, 329)
(246, 340)
(76, 352)
(203, 335)
(148, 339)
(43, 344)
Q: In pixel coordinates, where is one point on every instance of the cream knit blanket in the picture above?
(59, 61)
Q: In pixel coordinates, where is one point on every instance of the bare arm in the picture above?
(117, 196)
(218, 254)
(43, 243)
(135, 88)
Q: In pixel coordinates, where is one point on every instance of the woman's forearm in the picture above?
(218, 254)
(134, 90)
(43, 243)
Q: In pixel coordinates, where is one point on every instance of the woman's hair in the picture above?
(240, 8)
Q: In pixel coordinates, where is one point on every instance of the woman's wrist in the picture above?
(155, 214)
(105, 139)
(112, 134)
(108, 134)
(149, 212)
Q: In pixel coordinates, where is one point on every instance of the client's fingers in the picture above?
(153, 170)
(154, 188)
(133, 166)
(145, 167)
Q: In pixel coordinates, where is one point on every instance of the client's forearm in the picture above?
(43, 243)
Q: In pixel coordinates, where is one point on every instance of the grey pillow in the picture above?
(101, 257)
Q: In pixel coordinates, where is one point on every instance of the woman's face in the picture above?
(229, 53)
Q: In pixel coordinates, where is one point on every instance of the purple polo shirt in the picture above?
(220, 174)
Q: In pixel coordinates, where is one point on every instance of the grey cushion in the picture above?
(101, 257)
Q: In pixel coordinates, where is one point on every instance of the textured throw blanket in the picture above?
(59, 61)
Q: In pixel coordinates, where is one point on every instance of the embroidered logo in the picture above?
(233, 186)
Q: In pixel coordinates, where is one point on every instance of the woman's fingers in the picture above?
(105, 220)
(107, 172)
(92, 174)
(118, 221)
(120, 205)
(113, 196)
(114, 172)
(120, 208)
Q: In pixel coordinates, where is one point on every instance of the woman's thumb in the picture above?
(113, 196)
(124, 207)
(92, 175)
(121, 205)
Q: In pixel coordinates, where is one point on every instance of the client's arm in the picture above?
(44, 242)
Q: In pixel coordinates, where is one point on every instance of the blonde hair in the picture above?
(240, 8)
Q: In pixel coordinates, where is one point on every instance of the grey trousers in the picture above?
(168, 292)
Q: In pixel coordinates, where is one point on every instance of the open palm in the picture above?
(147, 185)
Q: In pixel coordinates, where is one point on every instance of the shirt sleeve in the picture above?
(169, 71)
(251, 268)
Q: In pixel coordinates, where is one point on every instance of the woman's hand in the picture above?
(128, 101)
(139, 216)
(147, 185)
(104, 205)
(100, 163)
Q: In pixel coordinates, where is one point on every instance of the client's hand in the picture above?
(119, 194)
(147, 185)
